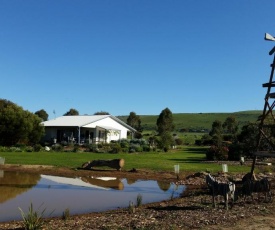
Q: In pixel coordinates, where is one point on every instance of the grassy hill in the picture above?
(197, 122)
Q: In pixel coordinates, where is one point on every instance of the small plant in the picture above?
(66, 214)
(139, 200)
(32, 220)
(131, 207)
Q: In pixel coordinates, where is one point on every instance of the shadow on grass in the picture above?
(199, 150)
(189, 160)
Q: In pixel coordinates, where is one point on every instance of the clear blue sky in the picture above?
(135, 55)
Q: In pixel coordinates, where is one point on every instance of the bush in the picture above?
(37, 148)
(146, 148)
(115, 148)
(57, 147)
(217, 153)
(3, 149)
(32, 220)
(76, 148)
(124, 143)
(178, 141)
(29, 149)
(235, 152)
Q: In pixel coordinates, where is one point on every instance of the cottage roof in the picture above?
(81, 120)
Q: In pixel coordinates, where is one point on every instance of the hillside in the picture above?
(197, 121)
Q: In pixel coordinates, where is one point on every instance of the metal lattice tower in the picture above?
(265, 141)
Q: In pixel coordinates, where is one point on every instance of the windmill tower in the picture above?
(265, 141)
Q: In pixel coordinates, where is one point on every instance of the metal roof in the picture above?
(74, 121)
(81, 120)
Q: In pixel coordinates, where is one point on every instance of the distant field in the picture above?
(197, 122)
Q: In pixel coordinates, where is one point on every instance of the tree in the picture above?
(102, 113)
(164, 127)
(165, 122)
(42, 114)
(230, 125)
(134, 121)
(18, 125)
(216, 132)
(72, 112)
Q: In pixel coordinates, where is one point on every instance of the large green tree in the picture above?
(216, 133)
(42, 114)
(165, 126)
(134, 121)
(72, 112)
(230, 125)
(18, 125)
(165, 122)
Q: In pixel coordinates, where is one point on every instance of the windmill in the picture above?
(265, 141)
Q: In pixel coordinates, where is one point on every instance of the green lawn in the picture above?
(188, 158)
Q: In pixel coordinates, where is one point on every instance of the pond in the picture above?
(79, 195)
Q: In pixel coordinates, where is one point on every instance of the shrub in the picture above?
(76, 148)
(217, 153)
(57, 147)
(3, 149)
(124, 143)
(146, 148)
(235, 152)
(32, 220)
(139, 200)
(115, 148)
(178, 141)
(37, 148)
(66, 214)
(29, 149)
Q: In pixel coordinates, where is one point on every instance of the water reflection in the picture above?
(15, 183)
(79, 195)
(105, 182)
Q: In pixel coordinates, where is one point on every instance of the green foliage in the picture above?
(115, 148)
(216, 128)
(37, 148)
(206, 139)
(165, 141)
(42, 114)
(134, 121)
(236, 151)
(72, 112)
(248, 138)
(57, 147)
(165, 122)
(66, 214)
(29, 149)
(18, 125)
(217, 153)
(131, 207)
(230, 125)
(101, 113)
(76, 148)
(165, 126)
(32, 220)
(139, 200)
(178, 141)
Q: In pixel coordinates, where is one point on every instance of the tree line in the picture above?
(226, 140)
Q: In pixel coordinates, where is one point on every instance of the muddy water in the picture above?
(78, 195)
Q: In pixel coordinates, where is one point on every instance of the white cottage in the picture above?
(86, 129)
